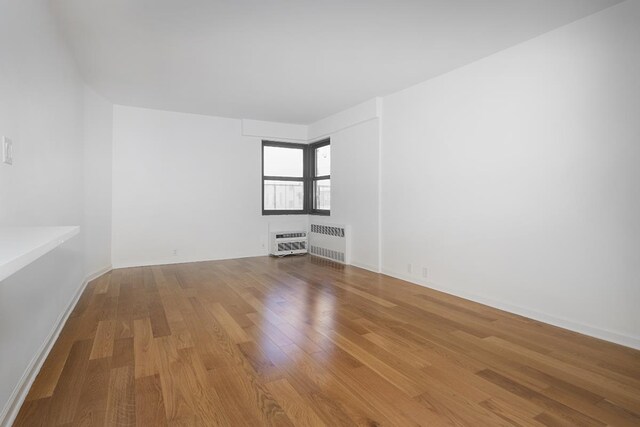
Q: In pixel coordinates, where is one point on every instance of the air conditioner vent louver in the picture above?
(292, 246)
(290, 235)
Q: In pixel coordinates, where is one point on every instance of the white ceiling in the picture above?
(289, 60)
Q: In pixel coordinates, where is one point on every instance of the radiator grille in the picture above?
(290, 235)
(292, 246)
(328, 253)
(329, 230)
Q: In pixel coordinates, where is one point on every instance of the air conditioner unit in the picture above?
(288, 243)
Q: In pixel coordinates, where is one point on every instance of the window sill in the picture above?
(316, 213)
(271, 213)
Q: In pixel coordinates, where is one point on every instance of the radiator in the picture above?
(330, 241)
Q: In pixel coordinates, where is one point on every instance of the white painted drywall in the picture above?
(191, 184)
(350, 117)
(186, 183)
(355, 149)
(354, 189)
(98, 140)
(276, 131)
(515, 179)
(41, 110)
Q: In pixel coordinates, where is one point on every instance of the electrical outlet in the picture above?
(175, 252)
(409, 268)
(7, 151)
(425, 272)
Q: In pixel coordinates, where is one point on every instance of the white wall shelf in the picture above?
(20, 246)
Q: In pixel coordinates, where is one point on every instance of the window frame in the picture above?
(302, 179)
(313, 178)
(308, 177)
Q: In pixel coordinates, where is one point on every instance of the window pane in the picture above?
(283, 195)
(322, 194)
(280, 161)
(323, 161)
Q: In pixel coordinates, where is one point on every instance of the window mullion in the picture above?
(308, 187)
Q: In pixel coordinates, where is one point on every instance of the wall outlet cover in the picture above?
(7, 151)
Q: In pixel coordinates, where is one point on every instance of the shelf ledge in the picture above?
(20, 246)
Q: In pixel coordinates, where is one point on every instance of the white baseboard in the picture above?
(175, 260)
(592, 331)
(11, 409)
(372, 268)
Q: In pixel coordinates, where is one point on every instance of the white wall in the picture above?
(344, 119)
(186, 183)
(354, 192)
(355, 149)
(98, 140)
(191, 183)
(277, 131)
(514, 180)
(41, 110)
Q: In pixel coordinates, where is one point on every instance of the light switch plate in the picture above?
(7, 151)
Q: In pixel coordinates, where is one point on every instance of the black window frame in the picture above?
(308, 177)
(313, 178)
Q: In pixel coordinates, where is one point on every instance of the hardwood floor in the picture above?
(305, 342)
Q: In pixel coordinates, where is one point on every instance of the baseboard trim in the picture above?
(172, 261)
(603, 334)
(372, 268)
(11, 409)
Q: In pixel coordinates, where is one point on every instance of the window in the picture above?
(283, 178)
(321, 177)
(296, 178)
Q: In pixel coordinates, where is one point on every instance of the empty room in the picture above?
(319, 213)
